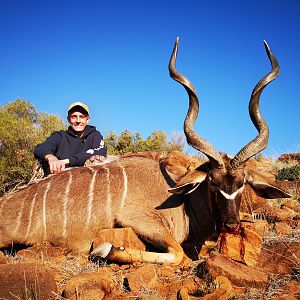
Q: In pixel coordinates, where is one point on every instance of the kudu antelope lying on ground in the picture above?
(69, 209)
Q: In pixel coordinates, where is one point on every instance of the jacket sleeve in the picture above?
(97, 148)
(47, 147)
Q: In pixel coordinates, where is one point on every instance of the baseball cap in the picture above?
(80, 104)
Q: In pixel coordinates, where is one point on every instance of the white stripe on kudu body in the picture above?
(19, 218)
(65, 204)
(108, 202)
(30, 214)
(44, 208)
(90, 198)
(125, 184)
(2, 204)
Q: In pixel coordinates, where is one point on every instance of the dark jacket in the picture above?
(68, 145)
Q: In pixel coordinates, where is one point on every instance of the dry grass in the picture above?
(276, 285)
(278, 165)
(272, 166)
(272, 238)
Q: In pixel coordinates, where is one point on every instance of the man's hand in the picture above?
(94, 160)
(56, 166)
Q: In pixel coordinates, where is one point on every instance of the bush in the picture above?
(132, 142)
(288, 173)
(22, 127)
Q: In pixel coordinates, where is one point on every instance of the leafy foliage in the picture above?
(22, 127)
(132, 142)
(288, 173)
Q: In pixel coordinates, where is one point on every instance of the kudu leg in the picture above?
(130, 255)
(151, 228)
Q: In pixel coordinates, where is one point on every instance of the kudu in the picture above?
(69, 209)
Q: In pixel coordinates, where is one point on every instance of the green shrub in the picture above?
(22, 127)
(288, 173)
(132, 142)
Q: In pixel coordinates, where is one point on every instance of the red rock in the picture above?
(292, 187)
(209, 248)
(170, 290)
(219, 294)
(3, 258)
(261, 227)
(43, 251)
(250, 201)
(289, 210)
(166, 271)
(292, 204)
(293, 287)
(246, 246)
(90, 286)
(280, 215)
(289, 156)
(32, 280)
(282, 228)
(279, 257)
(142, 278)
(239, 290)
(188, 287)
(237, 273)
(224, 283)
(252, 247)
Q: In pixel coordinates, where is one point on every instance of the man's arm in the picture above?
(49, 146)
(45, 152)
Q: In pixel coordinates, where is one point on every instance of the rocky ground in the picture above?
(261, 262)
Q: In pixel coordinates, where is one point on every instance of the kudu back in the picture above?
(164, 208)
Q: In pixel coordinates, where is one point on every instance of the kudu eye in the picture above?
(212, 184)
(210, 180)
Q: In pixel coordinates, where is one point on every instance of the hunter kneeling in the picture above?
(72, 147)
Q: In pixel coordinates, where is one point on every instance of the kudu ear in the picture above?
(263, 186)
(189, 182)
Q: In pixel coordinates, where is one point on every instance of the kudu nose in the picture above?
(231, 227)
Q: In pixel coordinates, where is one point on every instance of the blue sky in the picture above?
(113, 55)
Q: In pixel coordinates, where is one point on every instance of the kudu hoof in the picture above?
(102, 250)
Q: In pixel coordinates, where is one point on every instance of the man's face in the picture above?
(78, 121)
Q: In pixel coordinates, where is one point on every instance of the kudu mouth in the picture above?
(231, 227)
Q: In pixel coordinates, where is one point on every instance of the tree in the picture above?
(129, 141)
(22, 127)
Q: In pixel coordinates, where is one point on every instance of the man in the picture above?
(72, 147)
